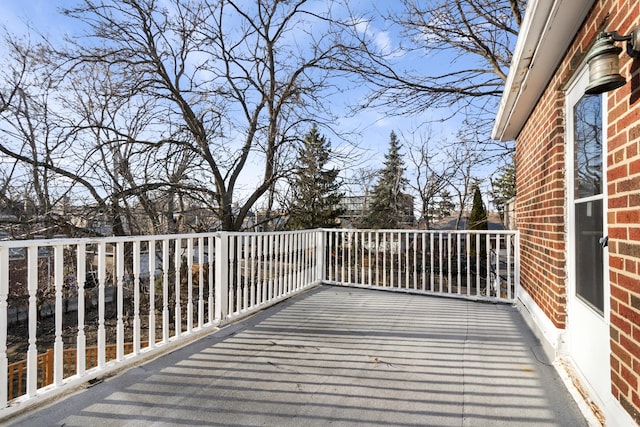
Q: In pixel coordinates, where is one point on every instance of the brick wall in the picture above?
(540, 207)
(541, 199)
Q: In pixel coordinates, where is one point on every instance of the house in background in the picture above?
(578, 183)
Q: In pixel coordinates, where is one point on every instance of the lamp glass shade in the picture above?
(604, 67)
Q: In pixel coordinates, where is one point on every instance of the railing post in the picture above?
(222, 276)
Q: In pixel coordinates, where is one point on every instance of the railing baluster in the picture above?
(277, 288)
(177, 307)
(310, 258)
(238, 273)
(293, 269)
(423, 260)
(459, 263)
(304, 261)
(32, 351)
(509, 264)
(288, 282)
(252, 262)
(136, 297)
(415, 260)
(4, 305)
(212, 261)
(231, 285)
(468, 252)
(362, 257)
(402, 258)
(152, 292)
(304, 258)
(120, 291)
(339, 261)
(189, 273)
(440, 259)
(369, 252)
(487, 241)
(166, 260)
(398, 261)
(498, 285)
(431, 267)
(58, 355)
(81, 340)
(259, 297)
(477, 264)
(102, 267)
(356, 258)
(385, 248)
(377, 255)
(392, 250)
(270, 266)
(407, 251)
(245, 263)
(201, 265)
(222, 277)
(449, 254)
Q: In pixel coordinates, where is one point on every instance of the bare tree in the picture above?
(466, 156)
(230, 83)
(433, 171)
(467, 47)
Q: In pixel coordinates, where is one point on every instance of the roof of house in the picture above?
(547, 30)
(449, 223)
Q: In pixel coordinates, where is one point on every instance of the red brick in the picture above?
(621, 324)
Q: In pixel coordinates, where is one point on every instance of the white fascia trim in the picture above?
(547, 30)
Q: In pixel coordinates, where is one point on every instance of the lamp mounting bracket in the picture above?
(632, 39)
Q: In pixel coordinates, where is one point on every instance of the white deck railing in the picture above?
(72, 310)
(478, 265)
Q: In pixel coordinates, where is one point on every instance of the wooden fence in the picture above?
(17, 372)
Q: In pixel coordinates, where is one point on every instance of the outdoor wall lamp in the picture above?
(604, 68)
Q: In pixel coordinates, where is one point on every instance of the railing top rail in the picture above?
(421, 231)
(98, 240)
(151, 238)
(269, 233)
(138, 238)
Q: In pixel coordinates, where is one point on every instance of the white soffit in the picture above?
(547, 30)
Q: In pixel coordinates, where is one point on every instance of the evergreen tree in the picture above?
(445, 204)
(389, 204)
(478, 219)
(503, 188)
(316, 192)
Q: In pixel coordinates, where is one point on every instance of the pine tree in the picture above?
(503, 188)
(445, 204)
(389, 204)
(316, 192)
(478, 219)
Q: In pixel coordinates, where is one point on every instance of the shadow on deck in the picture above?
(340, 356)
